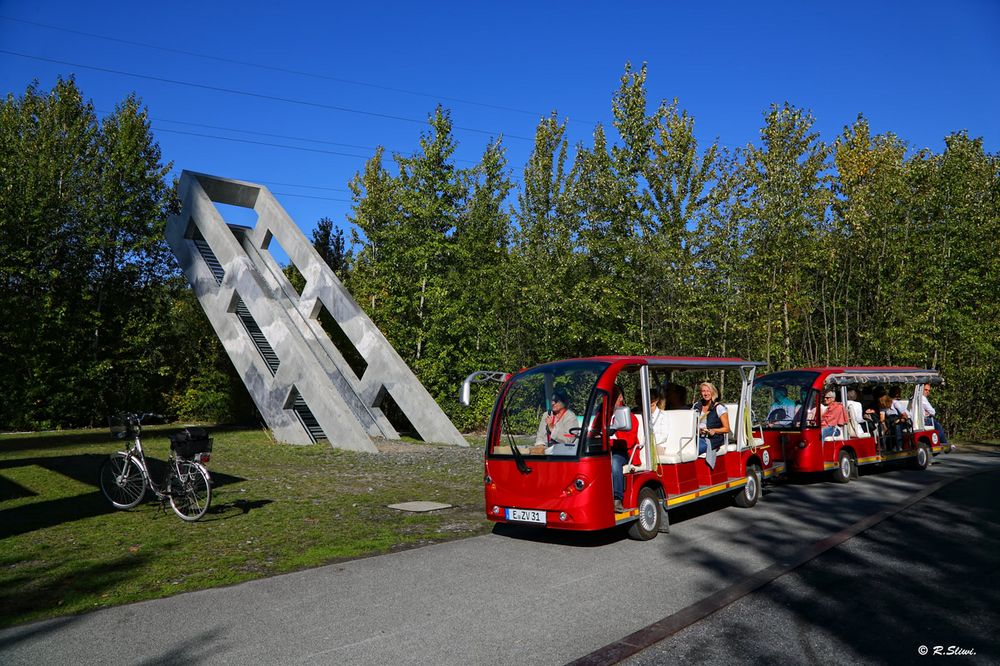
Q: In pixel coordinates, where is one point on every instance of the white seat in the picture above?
(681, 444)
(731, 439)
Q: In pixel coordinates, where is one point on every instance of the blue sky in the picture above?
(919, 69)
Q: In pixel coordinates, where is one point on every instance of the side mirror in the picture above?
(621, 420)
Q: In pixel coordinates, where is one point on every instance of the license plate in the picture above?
(526, 516)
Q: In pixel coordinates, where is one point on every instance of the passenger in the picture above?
(554, 428)
(657, 417)
(873, 411)
(890, 417)
(854, 407)
(930, 418)
(902, 406)
(713, 422)
(783, 408)
(622, 444)
(832, 414)
(675, 396)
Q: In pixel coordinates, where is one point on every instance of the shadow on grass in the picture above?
(233, 509)
(20, 598)
(55, 440)
(83, 468)
(60, 439)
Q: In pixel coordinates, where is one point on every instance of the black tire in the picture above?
(749, 494)
(190, 490)
(845, 468)
(923, 457)
(648, 524)
(123, 481)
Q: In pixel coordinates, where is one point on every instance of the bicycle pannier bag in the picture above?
(190, 441)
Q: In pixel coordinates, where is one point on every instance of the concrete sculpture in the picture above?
(314, 363)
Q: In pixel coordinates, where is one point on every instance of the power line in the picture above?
(260, 143)
(283, 70)
(310, 196)
(276, 136)
(308, 187)
(247, 93)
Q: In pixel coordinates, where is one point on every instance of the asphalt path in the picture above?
(527, 596)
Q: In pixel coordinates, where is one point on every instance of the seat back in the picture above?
(679, 443)
(732, 409)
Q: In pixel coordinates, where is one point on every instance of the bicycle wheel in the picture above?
(190, 490)
(123, 480)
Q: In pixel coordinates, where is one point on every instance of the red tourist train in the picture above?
(835, 419)
(557, 429)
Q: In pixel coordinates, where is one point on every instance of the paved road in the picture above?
(530, 597)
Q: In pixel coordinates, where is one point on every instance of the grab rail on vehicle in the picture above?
(480, 377)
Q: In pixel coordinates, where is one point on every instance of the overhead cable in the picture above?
(274, 68)
(247, 93)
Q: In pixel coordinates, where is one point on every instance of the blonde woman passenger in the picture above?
(713, 422)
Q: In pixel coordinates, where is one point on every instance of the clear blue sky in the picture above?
(918, 68)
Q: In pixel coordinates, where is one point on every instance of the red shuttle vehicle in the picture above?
(799, 401)
(566, 483)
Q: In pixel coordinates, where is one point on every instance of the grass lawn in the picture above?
(275, 508)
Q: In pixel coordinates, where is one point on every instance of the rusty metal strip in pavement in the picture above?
(670, 625)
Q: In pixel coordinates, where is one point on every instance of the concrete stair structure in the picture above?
(314, 363)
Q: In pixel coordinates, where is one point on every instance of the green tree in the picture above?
(544, 268)
(81, 219)
(787, 199)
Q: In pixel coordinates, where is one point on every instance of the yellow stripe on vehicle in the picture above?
(711, 490)
(903, 454)
(626, 515)
(775, 469)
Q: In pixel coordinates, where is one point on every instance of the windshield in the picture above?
(543, 409)
(777, 398)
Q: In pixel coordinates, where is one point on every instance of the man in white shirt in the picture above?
(930, 418)
(855, 411)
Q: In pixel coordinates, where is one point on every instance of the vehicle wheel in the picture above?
(751, 490)
(844, 467)
(123, 480)
(923, 458)
(190, 490)
(648, 524)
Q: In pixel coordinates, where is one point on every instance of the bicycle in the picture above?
(125, 477)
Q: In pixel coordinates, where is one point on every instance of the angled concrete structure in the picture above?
(314, 363)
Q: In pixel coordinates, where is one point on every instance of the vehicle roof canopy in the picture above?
(700, 363)
(884, 376)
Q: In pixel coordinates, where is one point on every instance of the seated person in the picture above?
(657, 417)
(889, 416)
(782, 409)
(901, 406)
(674, 396)
(854, 407)
(832, 414)
(713, 422)
(554, 428)
(930, 418)
(622, 444)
